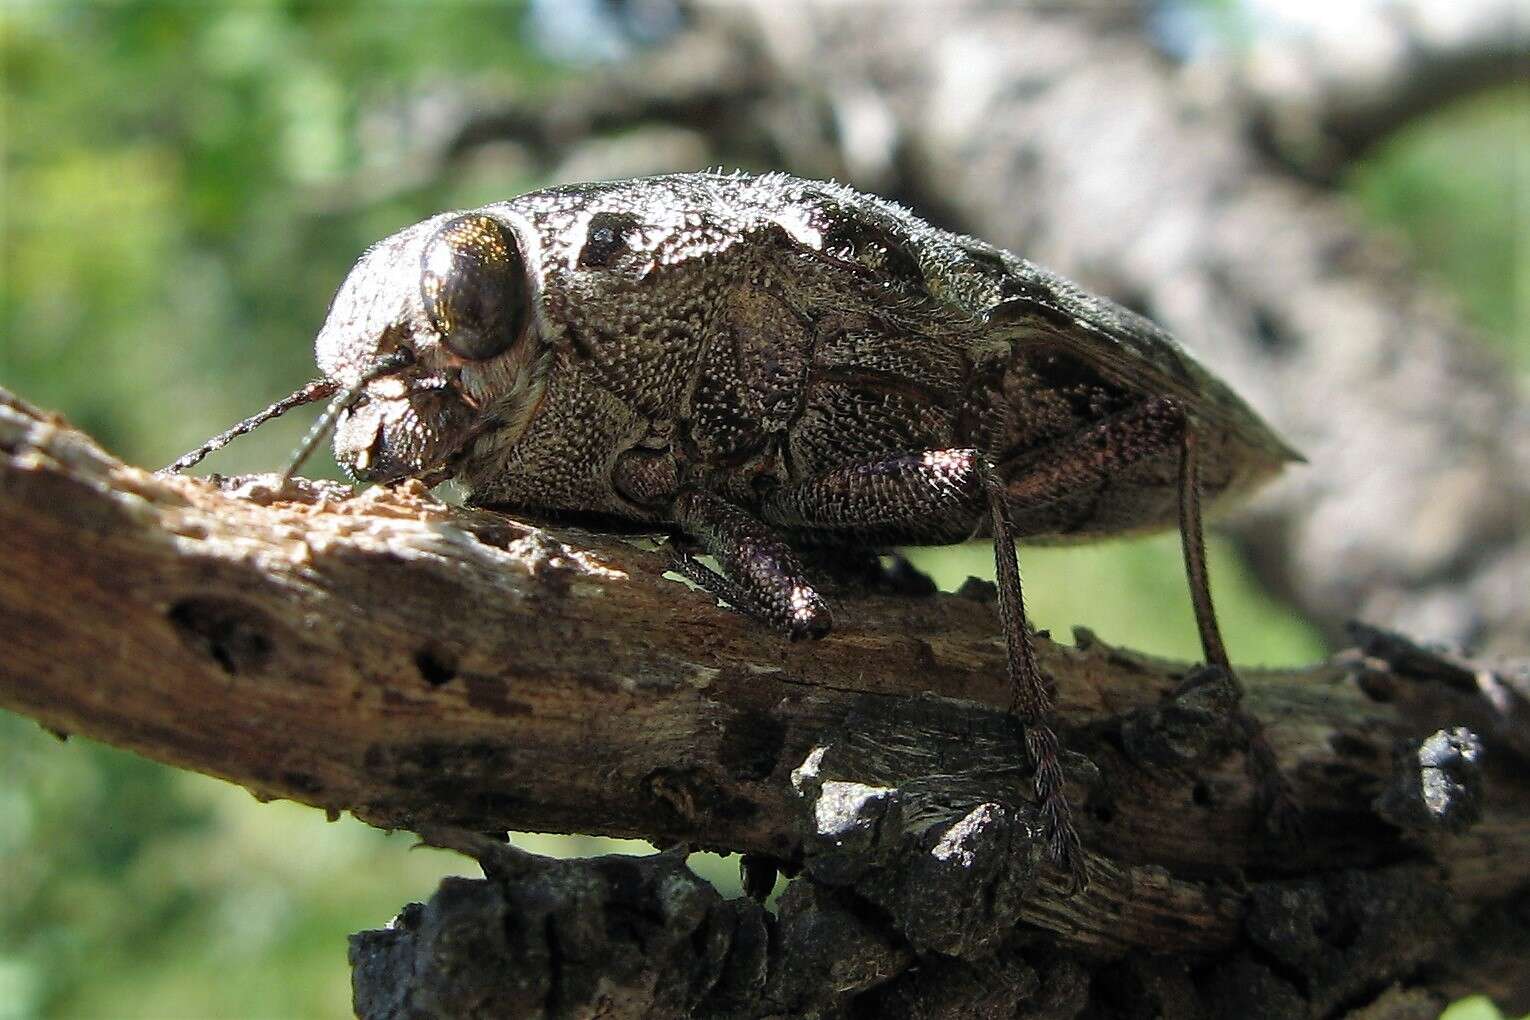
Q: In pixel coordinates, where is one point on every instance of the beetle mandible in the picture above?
(767, 364)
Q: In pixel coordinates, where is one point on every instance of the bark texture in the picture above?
(457, 672)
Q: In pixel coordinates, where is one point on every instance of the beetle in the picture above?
(768, 365)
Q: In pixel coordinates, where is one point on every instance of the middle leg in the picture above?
(761, 575)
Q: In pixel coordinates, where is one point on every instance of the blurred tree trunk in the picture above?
(1194, 193)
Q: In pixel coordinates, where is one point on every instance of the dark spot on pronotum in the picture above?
(607, 239)
(435, 666)
(233, 634)
(1200, 795)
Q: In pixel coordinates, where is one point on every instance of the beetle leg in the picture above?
(963, 484)
(1093, 456)
(1030, 695)
(901, 490)
(1192, 541)
(1090, 459)
(761, 575)
(1274, 790)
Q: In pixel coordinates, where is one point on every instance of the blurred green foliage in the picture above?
(186, 184)
(1474, 1007)
(1457, 190)
(184, 187)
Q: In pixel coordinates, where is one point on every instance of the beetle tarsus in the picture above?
(760, 573)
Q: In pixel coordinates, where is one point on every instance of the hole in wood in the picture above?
(436, 666)
(233, 634)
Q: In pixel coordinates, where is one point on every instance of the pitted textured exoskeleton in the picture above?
(767, 364)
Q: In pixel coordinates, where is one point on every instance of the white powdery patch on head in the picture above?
(802, 602)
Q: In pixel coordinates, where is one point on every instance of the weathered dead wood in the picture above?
(446, 670)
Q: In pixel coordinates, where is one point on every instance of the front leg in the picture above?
(761, 575)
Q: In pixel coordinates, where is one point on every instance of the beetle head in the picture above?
(448, 308)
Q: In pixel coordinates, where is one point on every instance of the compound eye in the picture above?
(473, 281)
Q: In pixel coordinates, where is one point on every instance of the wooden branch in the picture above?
(449, 670)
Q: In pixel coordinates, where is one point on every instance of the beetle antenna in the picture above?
(316, 390)
(385, 365)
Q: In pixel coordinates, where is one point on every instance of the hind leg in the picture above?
(1092, 458)
(954, 489)
(1277, 801)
